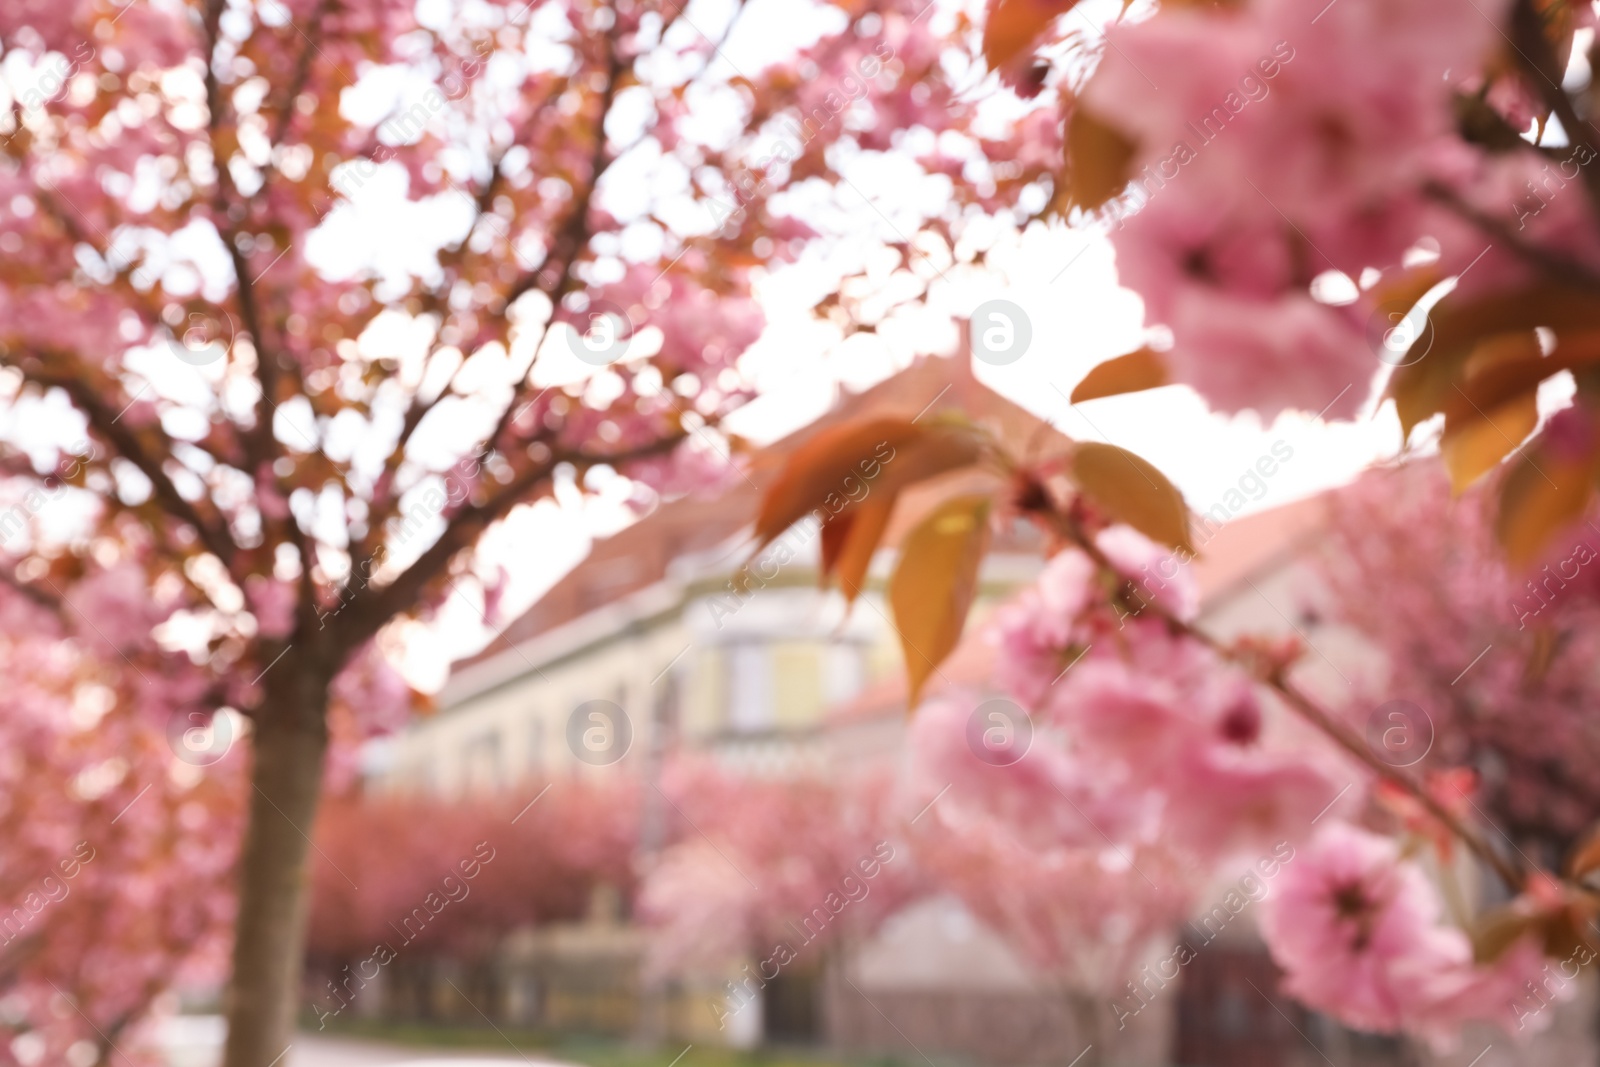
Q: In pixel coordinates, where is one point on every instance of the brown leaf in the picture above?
(1012, 26)
(1098, 158)
(1456, 327)
(835, 532)
(1496, 931)
(825, 471)
(868, 522)
(1131, 373)
(1540, 496)
(1568, 930)
(1131, 490)
(934, 583)
(1474, 444)
(845, 465)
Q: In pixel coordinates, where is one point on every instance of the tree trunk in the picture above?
(290, 739)
(1088, 1023)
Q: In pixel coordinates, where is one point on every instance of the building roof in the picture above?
(640, 555)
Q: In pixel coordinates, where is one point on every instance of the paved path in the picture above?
(311, 1051)
(195, 1041)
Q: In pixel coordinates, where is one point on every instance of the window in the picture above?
(843, 672)
(749, 688)
(482, 770)
(668, 710)
(536, 747)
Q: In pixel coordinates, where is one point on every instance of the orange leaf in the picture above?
(1131, 373)
(1495, 407)
(1012, 26)
(868, 522)
(1097, 161)
(826, 471)
(1540, 496)
(1456, 327)
(835, 533)
(844, 465)
(1500, 370)
(934, 584)
(1131, 490)
(1472, 445)
(1585, 858)
(945, 445)
(1559, 21)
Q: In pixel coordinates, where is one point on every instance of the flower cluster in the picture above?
(1293, 158)
(1156, 711)
(1357, 929)
(1145, 737)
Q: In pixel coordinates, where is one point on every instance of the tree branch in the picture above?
(1547, 260)
(1300, 702)
(564, 249)
(212, 531)
(1543, 67)
(570, 238)
(302, 74)
(259, 445)
(372, 607)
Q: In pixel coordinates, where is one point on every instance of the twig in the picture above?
(1547, 260)
(1538, 58)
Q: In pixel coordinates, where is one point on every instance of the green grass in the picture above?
(589, 1051)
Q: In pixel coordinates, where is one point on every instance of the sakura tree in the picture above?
(1316, 196)
(761, 869)
(117, 860)
(1522, 723)
(308, 440)
(406, 880)
(1016, 835)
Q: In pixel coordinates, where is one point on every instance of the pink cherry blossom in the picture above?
(1045, 793)
(1358, 931)
(1291, 144)
(1450, 595)
(1046, 627)
(114, 606)
(1038, 630)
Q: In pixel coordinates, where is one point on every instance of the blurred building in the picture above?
(650, 625)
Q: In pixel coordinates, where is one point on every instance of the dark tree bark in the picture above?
(1088, 1024)
(290, 742)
